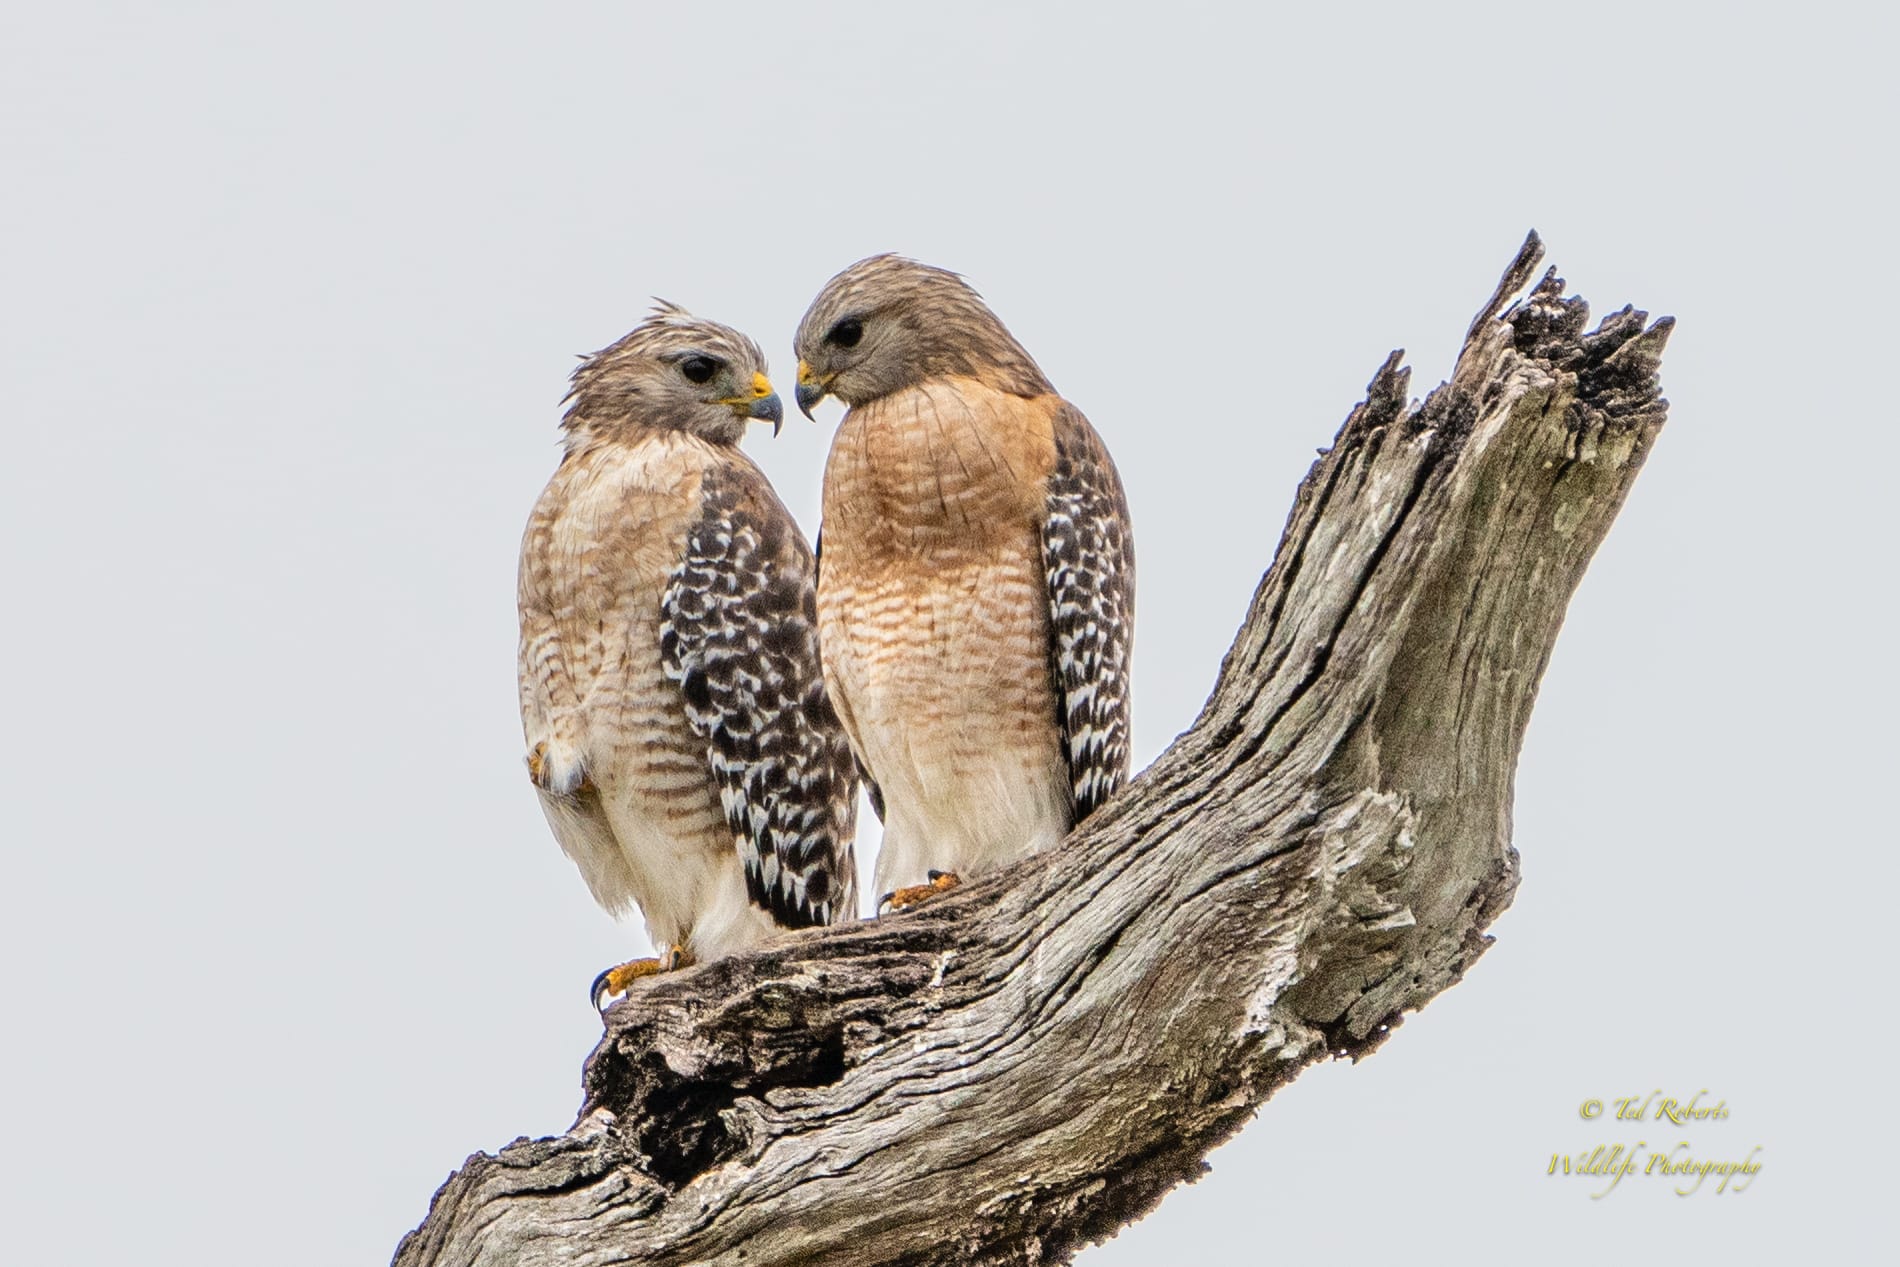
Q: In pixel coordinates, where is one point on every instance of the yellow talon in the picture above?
(538, 771)
(917, 894)
(620, 979)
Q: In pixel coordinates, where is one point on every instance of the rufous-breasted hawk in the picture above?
(976, 588)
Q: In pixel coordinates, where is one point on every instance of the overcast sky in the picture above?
(289, 302)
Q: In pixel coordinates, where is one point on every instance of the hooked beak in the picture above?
(811, 389)
(762, 403)
(768, 408)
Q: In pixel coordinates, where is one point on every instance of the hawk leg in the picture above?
(620, 979)
(543, 777)
(917, 894)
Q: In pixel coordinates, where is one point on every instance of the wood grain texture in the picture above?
(1018, 1069)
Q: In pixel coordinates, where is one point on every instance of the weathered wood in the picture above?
(1016, 1070)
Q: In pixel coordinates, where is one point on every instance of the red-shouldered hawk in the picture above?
(976, 596)
(678, 729)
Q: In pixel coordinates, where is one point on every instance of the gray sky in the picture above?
(289, 301)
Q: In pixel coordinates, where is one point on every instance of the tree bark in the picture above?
(1020, 1068)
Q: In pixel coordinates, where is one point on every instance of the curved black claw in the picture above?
(599, 988)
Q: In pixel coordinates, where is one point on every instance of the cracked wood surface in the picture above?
(1020, 1068)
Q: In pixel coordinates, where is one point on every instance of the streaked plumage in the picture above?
(976, 598)
(679, 734)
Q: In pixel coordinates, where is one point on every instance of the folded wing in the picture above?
(739, 635)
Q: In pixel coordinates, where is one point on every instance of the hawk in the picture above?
(976, 598)
(678, 730)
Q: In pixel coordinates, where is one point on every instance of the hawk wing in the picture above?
(739, 633)
(1089, 560)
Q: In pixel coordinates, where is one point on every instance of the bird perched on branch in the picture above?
(976, 597)
(678, 730)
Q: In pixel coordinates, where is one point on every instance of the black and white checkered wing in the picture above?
(739, 633)
(1089, 556)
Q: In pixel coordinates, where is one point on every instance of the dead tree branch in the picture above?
(1019, 1069)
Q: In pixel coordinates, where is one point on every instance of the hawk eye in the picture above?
(846, 333)
(699, 369)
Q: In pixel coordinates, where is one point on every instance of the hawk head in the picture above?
(888, 323)
(674, 372)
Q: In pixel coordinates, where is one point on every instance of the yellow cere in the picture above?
(761, 386)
